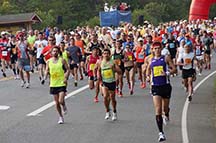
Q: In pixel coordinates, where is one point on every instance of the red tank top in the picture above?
(91, 65)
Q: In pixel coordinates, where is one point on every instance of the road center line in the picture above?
(185, 138)
(47, 106)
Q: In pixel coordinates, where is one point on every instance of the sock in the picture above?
(159, 121)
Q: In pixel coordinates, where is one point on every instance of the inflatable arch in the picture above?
(199, 9)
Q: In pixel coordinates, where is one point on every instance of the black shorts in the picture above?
(91, 77)
(163, 90)
(208, 52)
(128, 68)
(14, 59)
(41, 61)
(139, 65)
(57, 90)
(111, 86)
(32, 52)
(72, 66)
(188, 73)
(83, 59)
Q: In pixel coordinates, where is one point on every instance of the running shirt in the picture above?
(140, 56)
(198, 49)
(107, 72)
(129, 56)
(148, 49)
(40, 44)
(91, 65)
(56, 73)
(80, 44)
(3, 48)
(65, 56)
(22, 50)
(118, 57)
(187, 60)
(158, 68)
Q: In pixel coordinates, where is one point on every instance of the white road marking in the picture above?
(47, 106)
(185, 109)
(3, 107)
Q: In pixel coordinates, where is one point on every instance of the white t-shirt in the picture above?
(188, 60)
(58, 38)
(165, 52)
(40, 44)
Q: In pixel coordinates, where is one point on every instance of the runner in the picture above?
(4, 53)
(91, 62)
(74, 54)
(107, 71)
(58, 71)
(161, 88)
(188, 73)
(198, 50)
(129, 60)
(23, 61)
(39, 46)
(140, 56)
(118, 59)
(32, 54)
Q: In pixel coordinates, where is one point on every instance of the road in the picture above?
(85, 122)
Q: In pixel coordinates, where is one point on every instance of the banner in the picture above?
(113, 18)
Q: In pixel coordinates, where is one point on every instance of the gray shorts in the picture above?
(24, 64)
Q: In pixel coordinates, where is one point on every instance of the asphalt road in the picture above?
(85, 122)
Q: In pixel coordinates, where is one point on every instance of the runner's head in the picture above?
(157, 48)
(55, 51)
(106, 54)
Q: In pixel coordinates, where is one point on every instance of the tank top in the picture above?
(159, 66)
(107, 72)
(129, 56)
(91, 65)
(140, 56)
(198, 49)
(56, 73)
(23, 50)
(65, 56)
(118, 57)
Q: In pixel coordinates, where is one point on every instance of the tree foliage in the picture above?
(80, 12)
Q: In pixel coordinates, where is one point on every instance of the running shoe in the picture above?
(75, 84)
(4, 74)
(96, 99)
(61, 120)
(120, 94)
(131, 92)
(22, 83)
(161, 137)
(42, 81)
(143, 85)
(114, 116)
(65, 109)
(165, 120)
(107, 116)
(189, 98)
(199, 74)
(116, 91)
(81, 78)
(17, 77)
(27, 85)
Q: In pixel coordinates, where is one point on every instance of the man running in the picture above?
(161, 88)
(58, 71)
(107, 71)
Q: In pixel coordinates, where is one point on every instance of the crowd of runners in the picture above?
(148, 54)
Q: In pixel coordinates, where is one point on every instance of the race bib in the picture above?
(92, 66)
(108, 73)
(187, 61)
(4, 53)
(118, 62)
(130, 58)
(198, 52)
(158, 71)
(140, 56)
(172, 45)
(55, 76)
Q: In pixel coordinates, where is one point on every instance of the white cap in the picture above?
(3, 32)
(140, 39)
(72, 33)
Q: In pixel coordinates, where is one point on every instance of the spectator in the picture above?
(106, 8)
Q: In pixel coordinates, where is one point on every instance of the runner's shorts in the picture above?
(24, 64)
(111, 86)
(72, 66)
(163, 90)
(188, 73)
(139, 65)
(57, 90)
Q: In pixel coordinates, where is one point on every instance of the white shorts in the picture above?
(199, 58)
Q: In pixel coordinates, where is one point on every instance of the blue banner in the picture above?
(113, 18)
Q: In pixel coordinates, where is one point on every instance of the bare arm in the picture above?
(172, 68)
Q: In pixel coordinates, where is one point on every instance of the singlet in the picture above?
(139, 55)
(13, 48)
(107, 72)
(129, 56)
(80, 44)
(159, 66)
(91, 65)
(56, 73)
(118, 57)
(65, 56)
(198, 49)
(147, 50)
(22, 47)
